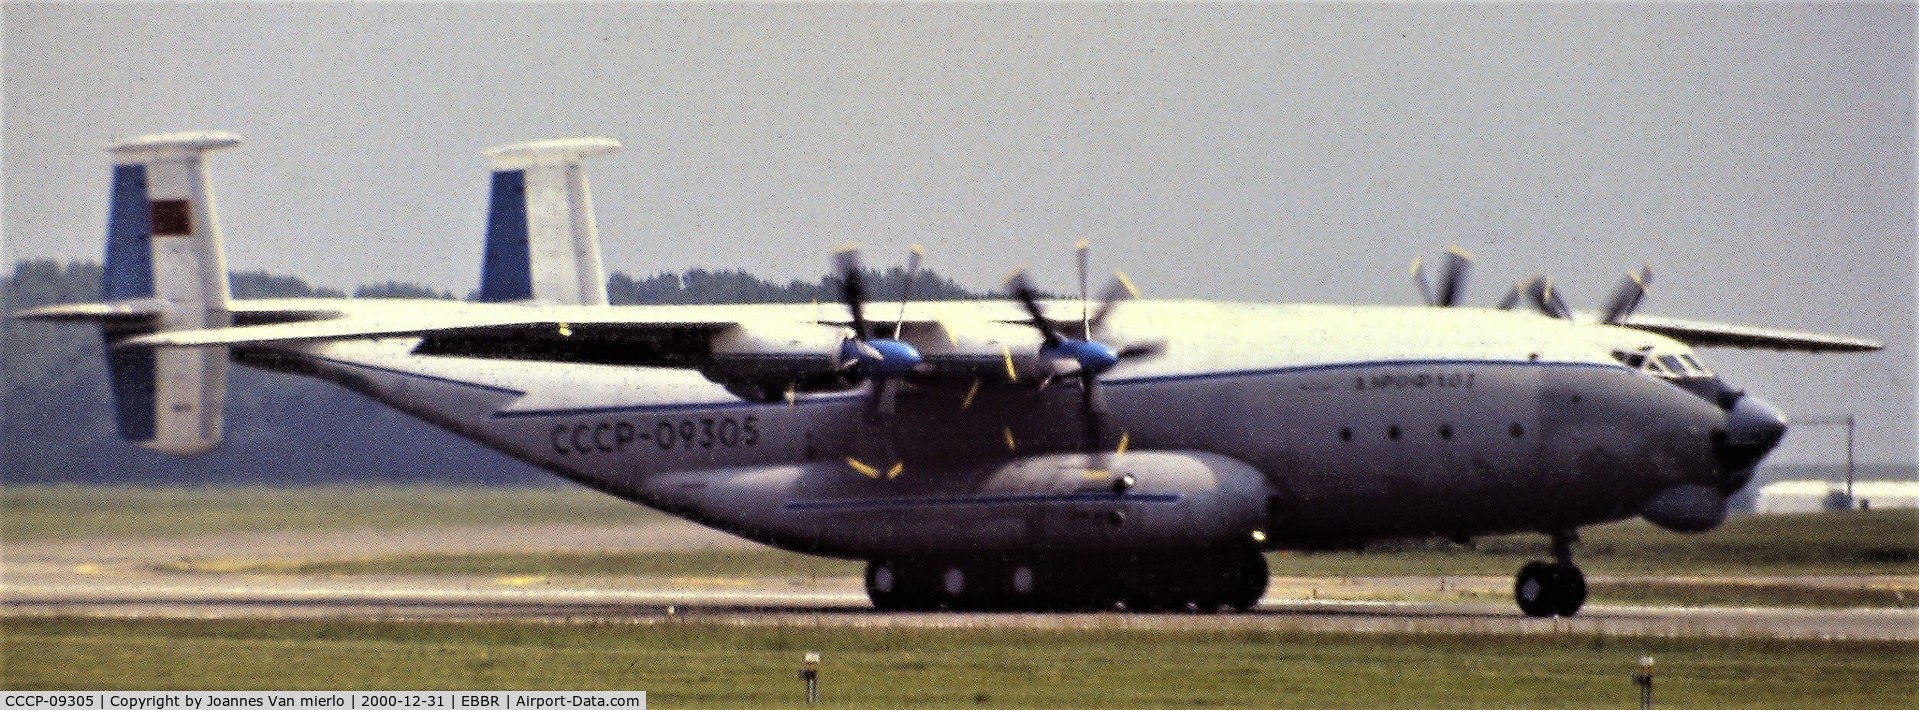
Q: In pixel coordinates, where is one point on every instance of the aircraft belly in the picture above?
(1183, 500)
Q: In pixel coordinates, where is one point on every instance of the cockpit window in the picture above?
(1698, 369)
(1633, 360)
(1672, 367)
(1658, 369)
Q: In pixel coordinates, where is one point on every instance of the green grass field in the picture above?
(693, 664)
(57, 512)
(701, 665)
(1876, 542)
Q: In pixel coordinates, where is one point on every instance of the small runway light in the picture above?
(1259, 536)
(1644, 680)
(810, 672)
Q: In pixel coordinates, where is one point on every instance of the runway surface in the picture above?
(122, 579)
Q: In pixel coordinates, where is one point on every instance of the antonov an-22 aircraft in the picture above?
(1017, 454)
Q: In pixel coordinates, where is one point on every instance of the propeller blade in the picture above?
(1082, 251)
(906, 291)
(1513, 296)
(1419, 277)
(862, 467)
(1627, 297)
(1022, 289)
(1546, 299)
(1092, 412)
(852, 287)
(1119, 289)
(885, 391)
(1452, 285)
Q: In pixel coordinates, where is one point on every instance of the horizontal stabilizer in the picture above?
(1703, 334)
(127, 312)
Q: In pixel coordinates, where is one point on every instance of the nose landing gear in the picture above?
(1554, 588)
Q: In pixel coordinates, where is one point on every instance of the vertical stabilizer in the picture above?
(163, 247)
(541, 241)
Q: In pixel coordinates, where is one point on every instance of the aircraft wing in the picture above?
(1704, 334)
(304, 320)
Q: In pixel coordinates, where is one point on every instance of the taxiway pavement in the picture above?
(127, 578)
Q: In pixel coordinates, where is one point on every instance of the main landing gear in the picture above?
(1554, 588)
(1199, 582)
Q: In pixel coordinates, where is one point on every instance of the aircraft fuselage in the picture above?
(1290, 425)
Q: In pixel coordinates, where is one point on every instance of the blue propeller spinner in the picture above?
(1083, 356)
(882, 360)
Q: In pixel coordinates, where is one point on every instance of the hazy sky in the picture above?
(1759, 157)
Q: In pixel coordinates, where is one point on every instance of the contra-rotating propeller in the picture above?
(1060, 355)
(1538, 290)
(1619, 307)
(882, 360)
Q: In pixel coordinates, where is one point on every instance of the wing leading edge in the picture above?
(1706, 334)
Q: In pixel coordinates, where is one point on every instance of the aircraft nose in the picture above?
(1753, 427)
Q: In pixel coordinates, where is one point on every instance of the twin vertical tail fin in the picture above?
(542, 245)
(166, 267)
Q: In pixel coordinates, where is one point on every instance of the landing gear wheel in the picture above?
(1569, 592)
(1545, 589)
(1533, 589)
(955, 586)
(1249, 582)
(885, 586)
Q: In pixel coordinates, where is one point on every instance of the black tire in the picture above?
(1569, 590)
(1536, 588)
(885, 585)
(1249, 583)
(956, 586)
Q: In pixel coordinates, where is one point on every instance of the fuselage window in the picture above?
(1516, 430)
(1346, 434)
(1392, 432)
(1446, 431)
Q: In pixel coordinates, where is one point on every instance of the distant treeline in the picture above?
(57, 422)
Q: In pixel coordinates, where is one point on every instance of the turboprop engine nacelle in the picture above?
(764, 359)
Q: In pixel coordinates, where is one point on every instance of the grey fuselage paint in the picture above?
(1309, 456)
